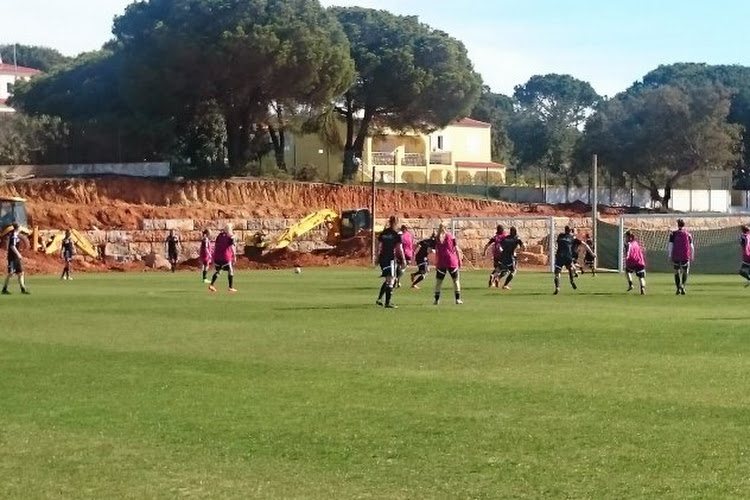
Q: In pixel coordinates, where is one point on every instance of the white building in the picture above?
(9, 74)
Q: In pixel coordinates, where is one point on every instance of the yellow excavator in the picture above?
(13, 210)
(54, 243)
(342, 226)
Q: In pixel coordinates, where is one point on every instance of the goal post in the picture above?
(538, 233)
(715, 236)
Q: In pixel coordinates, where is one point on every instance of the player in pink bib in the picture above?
(681, 251)
(496, 243)
(404, 261)
(448, 262)
(204, 255)
(224, 258)
(745, 254)
(635, 261)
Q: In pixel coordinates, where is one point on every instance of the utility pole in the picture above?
(595, 201)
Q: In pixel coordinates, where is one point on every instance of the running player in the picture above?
(407, 241)
(390, 250)
(496, 244)
(173, 249)
(576, 252)
(224, 258)
(635, 262)
(424, 248)
(67, 250)
(745, 247)
(508, 256)
(15, 261)
(448, 262)
(204, 255)
(564, 256)
(589, 260)
(681, 251)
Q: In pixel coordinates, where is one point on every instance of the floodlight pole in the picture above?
(373, 250)
(595, 203)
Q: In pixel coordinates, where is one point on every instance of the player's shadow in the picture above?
(338, 307)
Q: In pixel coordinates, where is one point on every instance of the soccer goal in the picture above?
(537, 233)
(715, 237)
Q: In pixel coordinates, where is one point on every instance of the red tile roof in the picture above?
(471, 122)
(479, 164)
(10, 69)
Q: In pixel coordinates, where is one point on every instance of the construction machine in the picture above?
(342, 226)
(13, 210)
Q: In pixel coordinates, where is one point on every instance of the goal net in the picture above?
(537, 233)
(715, 238)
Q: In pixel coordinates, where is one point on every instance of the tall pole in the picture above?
(595, 202)
(372, 212)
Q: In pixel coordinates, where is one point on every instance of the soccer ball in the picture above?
(297, 270)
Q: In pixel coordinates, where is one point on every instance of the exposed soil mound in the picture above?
(123, 202)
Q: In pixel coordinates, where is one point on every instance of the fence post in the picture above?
(487, 182)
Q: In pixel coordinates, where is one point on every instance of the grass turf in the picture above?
(146, 386)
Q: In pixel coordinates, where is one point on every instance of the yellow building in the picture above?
(461, 151)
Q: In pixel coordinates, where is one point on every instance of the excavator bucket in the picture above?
(54, 244)
(304, 226)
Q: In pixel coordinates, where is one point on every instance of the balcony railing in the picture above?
(441, 158)
(413, 160)
(379, 158)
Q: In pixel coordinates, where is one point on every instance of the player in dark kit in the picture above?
(15, 261)
(391, 250)
(508, 256)
(173, 249)
(745, 254)
(564, 256)
(67, 250)
(589, 260)
(681, 251)
(424, 248)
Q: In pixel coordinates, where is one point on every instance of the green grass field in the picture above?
(147, 386)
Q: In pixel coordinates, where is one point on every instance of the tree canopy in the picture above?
(33, 56)
(241, 55)
(657, 135)
(497, 110)
(409, 76)
(553, 109)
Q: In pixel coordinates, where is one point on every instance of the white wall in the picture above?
(683, 200)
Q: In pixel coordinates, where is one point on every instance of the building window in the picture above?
(9, 88)
(440, 142)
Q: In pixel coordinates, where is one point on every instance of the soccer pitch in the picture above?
(147, 386)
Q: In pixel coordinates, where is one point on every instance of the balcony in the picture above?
(441, 158)
(382, 158)
(413, 160)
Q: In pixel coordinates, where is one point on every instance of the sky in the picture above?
(609, 43)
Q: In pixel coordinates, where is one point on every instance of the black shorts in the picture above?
(589, 260)
(223, 266)
(388, 268)
(67, 257)
(507, 266)
(173, 257)
(15, 266)
(561, 263)
(441, 272)
(681, 264)
(745, 264)
(423, 267)
(639, 271)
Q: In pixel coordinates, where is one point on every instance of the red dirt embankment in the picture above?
(123, 202)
